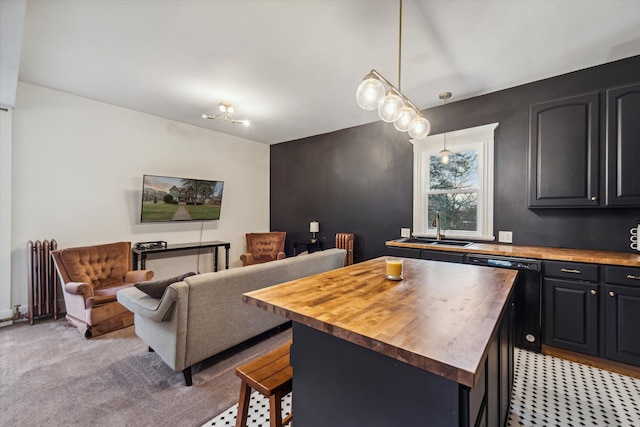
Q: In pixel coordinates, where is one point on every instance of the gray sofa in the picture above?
(204, 314)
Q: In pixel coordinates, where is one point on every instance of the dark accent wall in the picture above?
(360, 179)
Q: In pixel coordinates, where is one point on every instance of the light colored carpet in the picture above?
(51, 375)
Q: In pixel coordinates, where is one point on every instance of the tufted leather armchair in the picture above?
(264, 247)
(91, 276)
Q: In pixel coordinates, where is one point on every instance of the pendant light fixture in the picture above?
(376, 92)
(444, 152)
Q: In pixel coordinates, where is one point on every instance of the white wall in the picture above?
(77, 178)
(5, 213)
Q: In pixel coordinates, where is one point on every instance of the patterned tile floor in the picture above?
(547, 391)
(554, 392)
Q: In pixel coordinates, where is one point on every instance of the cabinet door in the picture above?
(571, 315)
(403, 252)
(563, 152)
(442, 256)
(623, 146)
(622, 342)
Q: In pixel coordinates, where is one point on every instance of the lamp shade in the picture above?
(389, 106)
(369, 93)
(445, 156)
(420, 128)
(404, 118)
(314, 227)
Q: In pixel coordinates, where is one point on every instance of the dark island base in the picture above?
(340, 384)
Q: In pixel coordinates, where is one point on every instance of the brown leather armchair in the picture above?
(264, 247)
(91, 276)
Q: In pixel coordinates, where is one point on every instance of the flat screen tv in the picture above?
(166, 198)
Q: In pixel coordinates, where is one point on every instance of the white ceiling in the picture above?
(292, 67)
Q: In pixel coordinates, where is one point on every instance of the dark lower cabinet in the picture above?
(577, 312)
(447, 256)
(571, 315)
(403, 252)
(622, 317)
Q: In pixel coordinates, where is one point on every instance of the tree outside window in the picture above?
(461, 191)
(452, 190)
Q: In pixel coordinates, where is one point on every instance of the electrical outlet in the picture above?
(505, 236)
(405, 232)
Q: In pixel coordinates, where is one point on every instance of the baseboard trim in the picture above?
(596, 362)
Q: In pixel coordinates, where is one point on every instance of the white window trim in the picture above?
(480, 138)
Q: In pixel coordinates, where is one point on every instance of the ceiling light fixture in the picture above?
(225, 114)
(445, 153)
(376, 92)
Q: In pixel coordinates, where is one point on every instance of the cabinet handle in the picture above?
(612, 294)
(593, 292)
(566, 270)
(594, 198)
(631, 276)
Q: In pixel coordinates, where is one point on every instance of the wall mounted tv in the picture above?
(166, 198)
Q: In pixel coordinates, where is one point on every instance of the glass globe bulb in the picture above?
(389, 106)
(445, 157)
(369, 93)
(419, 128)
(404, 117)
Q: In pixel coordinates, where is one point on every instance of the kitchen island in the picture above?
(433, 349)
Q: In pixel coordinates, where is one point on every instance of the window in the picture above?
(461, 191)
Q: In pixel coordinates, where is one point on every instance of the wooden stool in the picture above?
(271, 376)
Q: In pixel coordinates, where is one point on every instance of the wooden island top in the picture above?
(440, 318)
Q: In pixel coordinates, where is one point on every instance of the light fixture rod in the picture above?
(400, 48)
(395, 90)
(445, 96)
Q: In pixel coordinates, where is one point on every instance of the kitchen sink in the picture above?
(434, 242)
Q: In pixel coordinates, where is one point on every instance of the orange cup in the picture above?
(394, 268)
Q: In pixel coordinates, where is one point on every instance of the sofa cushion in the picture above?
(156, 288)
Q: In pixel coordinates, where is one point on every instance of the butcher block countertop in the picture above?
(440, 318)
(537, 252)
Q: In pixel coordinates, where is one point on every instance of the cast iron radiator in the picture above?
(43, 280)
(345, 241)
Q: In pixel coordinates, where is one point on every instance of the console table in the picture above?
(308, 245)
(142, 253)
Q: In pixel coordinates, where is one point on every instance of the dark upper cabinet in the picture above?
(565, 149)
(563, 152)
(623, 146)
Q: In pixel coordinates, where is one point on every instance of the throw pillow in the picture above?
(156, 288)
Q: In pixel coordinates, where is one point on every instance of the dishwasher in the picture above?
(527, 296)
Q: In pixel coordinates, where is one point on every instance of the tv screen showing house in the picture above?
(166, 198)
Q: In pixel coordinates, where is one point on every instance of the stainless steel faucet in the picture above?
(436, 224)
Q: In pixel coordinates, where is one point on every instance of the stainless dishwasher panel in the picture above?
(527, 296)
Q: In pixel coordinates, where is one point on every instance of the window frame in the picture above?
(480, 138)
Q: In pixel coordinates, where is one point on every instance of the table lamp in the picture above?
(314, 227)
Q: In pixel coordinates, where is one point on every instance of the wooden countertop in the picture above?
(440, 318)
(537, 252)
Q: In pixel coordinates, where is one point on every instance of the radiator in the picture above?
(43, 280)
(345, 241)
